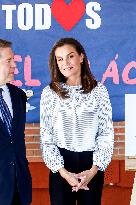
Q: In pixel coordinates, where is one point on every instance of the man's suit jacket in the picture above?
(13, 162)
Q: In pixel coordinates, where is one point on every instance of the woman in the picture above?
(76, 127)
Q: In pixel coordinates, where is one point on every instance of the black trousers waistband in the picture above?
(77, 161)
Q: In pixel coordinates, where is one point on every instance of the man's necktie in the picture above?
(6, 115)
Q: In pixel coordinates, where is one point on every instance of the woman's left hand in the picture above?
(85, 178)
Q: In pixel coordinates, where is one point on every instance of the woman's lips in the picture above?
(69, 68)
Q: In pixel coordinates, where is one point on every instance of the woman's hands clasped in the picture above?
(69, 177)
(80, 180)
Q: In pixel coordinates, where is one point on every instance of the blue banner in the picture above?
(106, 29)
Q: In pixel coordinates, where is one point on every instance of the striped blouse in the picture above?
(82, 122)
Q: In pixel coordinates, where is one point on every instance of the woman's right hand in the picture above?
(69, 177)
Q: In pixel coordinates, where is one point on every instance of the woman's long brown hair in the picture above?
(87, 79)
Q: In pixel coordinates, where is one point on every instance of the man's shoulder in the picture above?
(14, 88)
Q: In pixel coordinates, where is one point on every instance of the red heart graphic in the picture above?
(68, 15)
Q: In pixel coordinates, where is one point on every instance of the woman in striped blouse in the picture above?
(76, 127)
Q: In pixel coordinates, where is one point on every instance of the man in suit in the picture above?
(15, 178)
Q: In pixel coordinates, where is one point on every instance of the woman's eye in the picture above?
(59, 59)
(71, 56)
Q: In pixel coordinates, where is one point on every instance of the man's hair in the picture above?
(5, 43)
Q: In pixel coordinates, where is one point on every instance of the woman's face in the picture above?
(69, 61)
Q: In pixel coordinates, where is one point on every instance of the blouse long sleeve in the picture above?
(105, 136)
(50, 151)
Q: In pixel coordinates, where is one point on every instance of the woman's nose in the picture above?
(66, 61)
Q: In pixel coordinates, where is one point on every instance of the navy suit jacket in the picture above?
(13, 162)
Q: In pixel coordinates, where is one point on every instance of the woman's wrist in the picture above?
(63, 172)
(94, 169)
